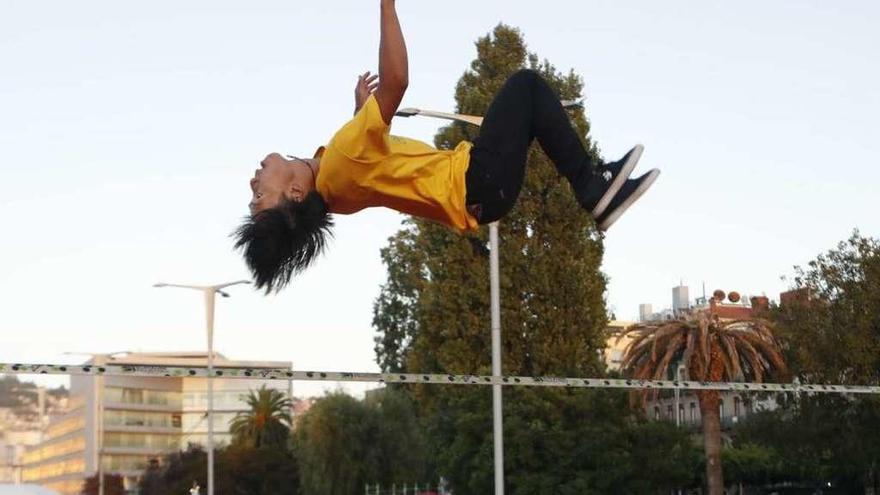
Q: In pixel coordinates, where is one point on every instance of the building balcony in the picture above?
(79, 454)
(160, 430)
(133, 406)
(134, 450)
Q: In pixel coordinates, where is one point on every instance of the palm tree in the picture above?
(712, 350)
(268, 421)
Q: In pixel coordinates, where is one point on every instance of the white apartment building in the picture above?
(144, 418)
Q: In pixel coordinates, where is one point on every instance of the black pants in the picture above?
(524, 109)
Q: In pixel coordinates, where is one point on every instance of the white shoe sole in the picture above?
(615, 185)
(643, 187)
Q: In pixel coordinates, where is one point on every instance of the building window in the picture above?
(669, 412)
(141, 396)
(681, 413)
(736, 406)
(657, 413)
(693, 413)
(721, 409)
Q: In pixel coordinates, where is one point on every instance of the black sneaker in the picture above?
(628, 194)
(608, 179)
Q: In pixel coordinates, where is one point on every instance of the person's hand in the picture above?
(366, 84)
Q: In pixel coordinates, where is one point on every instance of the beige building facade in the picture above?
(122, 422)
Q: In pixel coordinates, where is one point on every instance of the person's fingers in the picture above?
(366, 74)
(372, 78)
(372, 87)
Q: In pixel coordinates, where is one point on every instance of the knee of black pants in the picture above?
(524, 77)
(493, 198)
(494, 210)
(493, 181)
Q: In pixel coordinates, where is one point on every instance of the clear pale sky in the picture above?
(128, 132)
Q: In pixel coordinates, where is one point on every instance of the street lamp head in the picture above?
(230, 284)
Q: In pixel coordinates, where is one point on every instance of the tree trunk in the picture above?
(712, 441)
(709, 404)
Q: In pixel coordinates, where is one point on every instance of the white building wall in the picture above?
(126, 397)
(680, 298)
(646, 312)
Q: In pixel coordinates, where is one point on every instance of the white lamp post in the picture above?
(209, 291)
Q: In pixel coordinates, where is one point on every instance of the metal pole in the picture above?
(99, 382)
(209, 292)
(677, 397)
(209, 313)
(497, 408)
(290, 397)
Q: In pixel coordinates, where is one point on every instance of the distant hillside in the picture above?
(12, 395)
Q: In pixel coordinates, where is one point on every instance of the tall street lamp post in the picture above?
(209, 291)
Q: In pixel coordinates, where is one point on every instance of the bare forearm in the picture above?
(393, 64)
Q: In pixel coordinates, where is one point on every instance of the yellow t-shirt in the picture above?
(364, 166)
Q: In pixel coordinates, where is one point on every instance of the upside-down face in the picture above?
(279, 178)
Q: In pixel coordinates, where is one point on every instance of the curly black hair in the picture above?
(280, 242)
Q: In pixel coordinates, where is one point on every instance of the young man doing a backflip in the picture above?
(363, 166)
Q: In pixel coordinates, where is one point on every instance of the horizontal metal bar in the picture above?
(426, 378)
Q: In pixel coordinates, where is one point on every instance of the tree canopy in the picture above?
(830, 334)
(833, 331)
(343, 443)
(266, 423)
(432, 315)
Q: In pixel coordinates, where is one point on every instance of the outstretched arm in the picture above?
(393, 65)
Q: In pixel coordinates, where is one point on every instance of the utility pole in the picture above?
(209, 292)
(497, 407)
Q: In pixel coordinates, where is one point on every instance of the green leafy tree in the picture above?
(329, 446)
(432, 315)
(178, 472)
(830, 335)
(433, 311)
(399, 444)
(817, 440)
(601, 450)
(833, 334)
(752, 464)
(113, 485)
(267, 423)
(711, 350)
(152, 482)
(265, 470)
(343, 443)
(240, 469)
